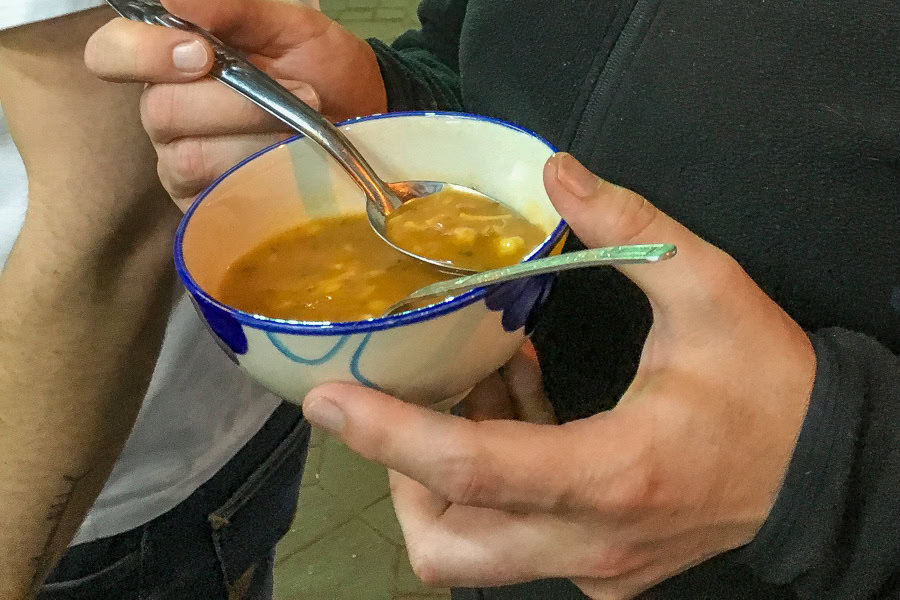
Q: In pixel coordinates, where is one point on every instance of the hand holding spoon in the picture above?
(232, 69)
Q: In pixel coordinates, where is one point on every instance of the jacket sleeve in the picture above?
(421, 68)
(833, 531)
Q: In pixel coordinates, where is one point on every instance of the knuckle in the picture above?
(182, 166)
(158, 112)
(723, 281)
(373, 445)
(180, 195)
(308, 94)
(634, 488)
(634, 491)
(635, 215)
(189, 163)
(610, 562)
(464, 480)
(729, 273)
(426, 567)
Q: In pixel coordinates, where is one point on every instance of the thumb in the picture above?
(603, 214)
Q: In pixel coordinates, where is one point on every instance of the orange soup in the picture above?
(333, 269)
(337, 269)
(465, 229)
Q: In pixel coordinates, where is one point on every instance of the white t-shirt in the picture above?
(199, 409)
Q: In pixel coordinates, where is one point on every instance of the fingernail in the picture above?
(190, 57)
(573, 176)
(321, 411)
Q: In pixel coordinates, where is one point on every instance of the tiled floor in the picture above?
(345, 543)
(383, 19)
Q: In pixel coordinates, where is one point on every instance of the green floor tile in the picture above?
(369, 28)
(311, 470)
(350, 563)
(316, 437)
(356, 482)
(406, 582)
(381, 517)
(318, 514)
(384, 19)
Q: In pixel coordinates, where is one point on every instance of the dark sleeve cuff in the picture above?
(416, 80)
(815, 532)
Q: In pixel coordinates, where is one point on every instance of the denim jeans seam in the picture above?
(142, 592)
(220, 558)
(293, 442)
(220, 518)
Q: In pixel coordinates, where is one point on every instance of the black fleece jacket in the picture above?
(772, 129)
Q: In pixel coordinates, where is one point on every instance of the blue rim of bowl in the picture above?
(351, 327)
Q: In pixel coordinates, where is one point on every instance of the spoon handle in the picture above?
(616, 255)
(252, 83)
(231, 68)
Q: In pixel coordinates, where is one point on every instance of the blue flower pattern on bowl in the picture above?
(519, 301)
(226, 330)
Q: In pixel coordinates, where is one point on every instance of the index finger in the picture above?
(124, 50)
(498, 464)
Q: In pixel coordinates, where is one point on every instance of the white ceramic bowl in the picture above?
(431, 356)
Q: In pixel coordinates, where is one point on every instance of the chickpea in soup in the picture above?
(465, 229)
(333, 269)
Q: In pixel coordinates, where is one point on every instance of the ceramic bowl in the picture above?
(431, 356)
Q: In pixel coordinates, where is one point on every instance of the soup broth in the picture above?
(333, 269)
(465, 229)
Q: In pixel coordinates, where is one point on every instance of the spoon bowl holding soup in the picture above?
(283, 267)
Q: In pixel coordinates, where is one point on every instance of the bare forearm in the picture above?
(76, 358)
(83, 296)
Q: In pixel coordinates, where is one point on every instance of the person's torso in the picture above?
(199, 409)
(771, 129)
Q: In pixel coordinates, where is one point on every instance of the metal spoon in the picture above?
(615, 255)
(232, 69)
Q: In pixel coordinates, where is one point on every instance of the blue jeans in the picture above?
(219, 543)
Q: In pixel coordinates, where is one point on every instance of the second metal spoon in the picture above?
(615, 255)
